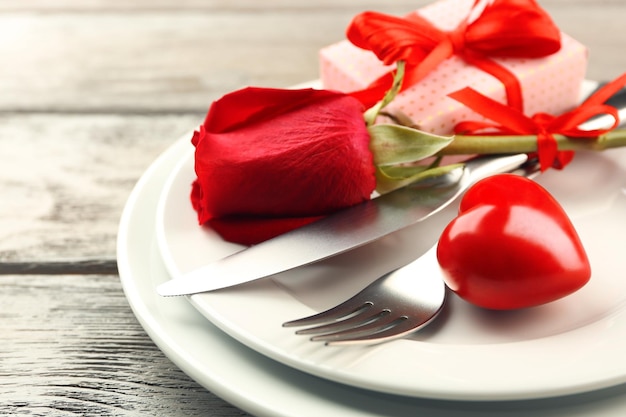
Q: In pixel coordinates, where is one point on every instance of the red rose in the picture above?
(270, 160)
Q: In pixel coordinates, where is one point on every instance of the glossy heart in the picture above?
(511, 246)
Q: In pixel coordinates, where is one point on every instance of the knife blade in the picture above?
(342, 231)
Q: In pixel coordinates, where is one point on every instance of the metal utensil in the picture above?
(342, 231)
(396, 304)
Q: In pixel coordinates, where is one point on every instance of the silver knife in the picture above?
(344, 230)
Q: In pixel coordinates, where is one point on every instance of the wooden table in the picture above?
(90, 94)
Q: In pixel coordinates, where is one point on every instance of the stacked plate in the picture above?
(564, 358)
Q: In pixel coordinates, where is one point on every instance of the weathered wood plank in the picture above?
(156, 60)
(80, 267)
(92, 93)
(65, 179)
(177, 5)
(64, 356)
(200, 5)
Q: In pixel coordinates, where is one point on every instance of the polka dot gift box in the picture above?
(549, 84)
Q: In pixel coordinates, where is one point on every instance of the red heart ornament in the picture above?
(511, 246)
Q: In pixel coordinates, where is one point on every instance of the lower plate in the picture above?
(262, 386)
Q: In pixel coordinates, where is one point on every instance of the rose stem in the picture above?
(469, 144)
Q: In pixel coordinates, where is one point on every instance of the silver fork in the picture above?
(396, 304)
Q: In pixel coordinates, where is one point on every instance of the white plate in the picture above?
(569, 346)
(572, 345)
(262, 386)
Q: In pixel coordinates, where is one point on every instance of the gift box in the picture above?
(549, 84)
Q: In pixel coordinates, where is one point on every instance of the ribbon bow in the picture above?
(509, 120)
(505, 28)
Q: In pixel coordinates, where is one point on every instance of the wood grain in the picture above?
(157, 60)
(71, 346)
(153, 59)
(91, 92)
(65, 179)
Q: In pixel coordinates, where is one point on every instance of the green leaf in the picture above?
(371, 114)
(391, 178)
(395, 144)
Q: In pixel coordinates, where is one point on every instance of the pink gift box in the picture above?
(550, 85)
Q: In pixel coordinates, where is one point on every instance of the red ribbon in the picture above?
(505, 28)
(509, 120)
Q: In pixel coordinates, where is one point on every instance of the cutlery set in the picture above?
(399, 302)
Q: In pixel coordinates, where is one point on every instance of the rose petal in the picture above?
(249, 231)
(299, 158)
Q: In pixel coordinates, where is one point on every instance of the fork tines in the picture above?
(344, 325)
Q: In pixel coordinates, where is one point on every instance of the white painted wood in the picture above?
(72, 347)
(66, 177)
(91, 92)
